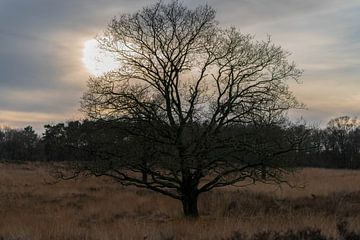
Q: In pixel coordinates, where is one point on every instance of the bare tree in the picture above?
(342, 140)
(190, 91)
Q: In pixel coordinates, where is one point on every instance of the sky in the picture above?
(42, 42)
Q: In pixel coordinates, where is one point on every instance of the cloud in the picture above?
(37, 120)
(24, 117)
(50, 101)
(325, 43)
(41, 44)
(42, 74)
(249, 12)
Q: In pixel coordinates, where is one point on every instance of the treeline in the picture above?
(20, 144)
(74, 140)
(336, 146)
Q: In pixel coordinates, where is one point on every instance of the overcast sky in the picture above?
(41, 49)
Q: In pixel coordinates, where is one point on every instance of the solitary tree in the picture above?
(196, 101)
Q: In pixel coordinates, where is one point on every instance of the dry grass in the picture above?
(98, 208)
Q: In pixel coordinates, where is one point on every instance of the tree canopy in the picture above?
(189, 91)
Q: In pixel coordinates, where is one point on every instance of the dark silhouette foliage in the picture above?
(204, 106)
(335, 146)
(20, 144)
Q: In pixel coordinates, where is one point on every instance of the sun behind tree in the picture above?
(96, 60)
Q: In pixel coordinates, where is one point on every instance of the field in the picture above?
(32, 206)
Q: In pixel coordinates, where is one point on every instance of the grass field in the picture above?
(32, 207)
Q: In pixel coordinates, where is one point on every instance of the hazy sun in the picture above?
(96, 60)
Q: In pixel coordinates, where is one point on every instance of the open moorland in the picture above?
(34, 206)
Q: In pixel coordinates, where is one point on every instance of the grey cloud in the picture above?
(54, 101)
(249, 12)
(33, 52)
(41, 41)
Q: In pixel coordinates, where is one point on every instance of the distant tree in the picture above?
(54, 140)
(30, 143)
(2, 144)
(19, 144)
(342, 139)
(80, 140)
(203, 106)
(314, 154)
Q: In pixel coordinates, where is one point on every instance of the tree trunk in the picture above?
(144, 176)
(190, 206)
(143, 172)
(263, 173)
(189, 194)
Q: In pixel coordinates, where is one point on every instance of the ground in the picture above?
(33, 206)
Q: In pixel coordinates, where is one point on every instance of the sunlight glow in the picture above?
(96, 60)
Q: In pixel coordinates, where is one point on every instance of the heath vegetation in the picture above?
(36, 206)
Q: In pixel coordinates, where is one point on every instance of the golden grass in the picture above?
(98, 208)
